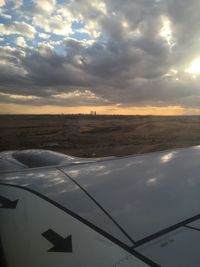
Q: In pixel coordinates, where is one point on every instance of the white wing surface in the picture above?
(132, 211)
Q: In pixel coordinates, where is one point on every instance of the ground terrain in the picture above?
(95, 136)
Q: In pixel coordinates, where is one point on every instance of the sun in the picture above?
(194, 67)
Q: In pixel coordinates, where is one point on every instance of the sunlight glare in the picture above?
(195, 67)
(167, 157)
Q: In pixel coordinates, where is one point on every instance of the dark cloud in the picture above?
(130, 63)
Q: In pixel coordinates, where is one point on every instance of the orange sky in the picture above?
(26, 109)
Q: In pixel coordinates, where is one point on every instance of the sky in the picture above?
(115, 57)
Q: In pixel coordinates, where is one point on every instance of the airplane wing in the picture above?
(58, 210)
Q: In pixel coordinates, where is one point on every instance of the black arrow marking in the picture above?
(60, 244)
(5, 203)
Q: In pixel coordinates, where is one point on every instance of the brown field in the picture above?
(96, 136)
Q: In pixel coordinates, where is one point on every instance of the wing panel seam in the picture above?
(166, 230)
(89, 224)
(99, 205)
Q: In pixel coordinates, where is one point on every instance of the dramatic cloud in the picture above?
(130, 54)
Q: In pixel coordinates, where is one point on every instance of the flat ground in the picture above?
(96, 136)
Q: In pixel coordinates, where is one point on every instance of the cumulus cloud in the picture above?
(53, 24)
(134, 53)
(44, 15)
(44, 6)
(13, 3)
(44, 35)
(21, 28)
(2, 3)
(4, 15)
(20, 41)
